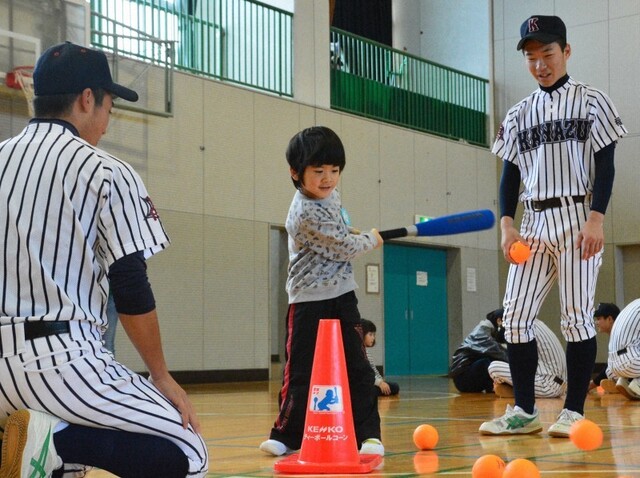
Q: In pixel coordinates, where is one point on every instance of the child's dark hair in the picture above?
(314, 146)
(367, 326)
(494, 315)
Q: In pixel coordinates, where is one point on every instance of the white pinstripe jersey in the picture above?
(69, 210)
(551, 137)
(625, 332)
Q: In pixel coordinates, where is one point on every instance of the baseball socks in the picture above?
(580, 359)
(523, 362)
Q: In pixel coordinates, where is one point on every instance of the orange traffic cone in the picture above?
(329, 441)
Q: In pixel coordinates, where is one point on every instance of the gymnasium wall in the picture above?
(218, 175)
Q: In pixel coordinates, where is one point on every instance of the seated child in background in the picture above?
(384, 388)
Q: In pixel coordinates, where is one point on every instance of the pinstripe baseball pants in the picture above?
(80, 382)
(552, 235)
(546, 386)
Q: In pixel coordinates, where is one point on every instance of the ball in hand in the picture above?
(488, 466)
(586, 435)
(425, 437)
(519, 252)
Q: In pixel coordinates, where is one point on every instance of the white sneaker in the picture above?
(622, 385)
(27, 446)
(634, 386)
(275, 448)
(560, 429)
(372, 446)
(515, 421)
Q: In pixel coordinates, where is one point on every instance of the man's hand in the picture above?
(591, 236)
(509, 235)
(144, 332)
(176, 395)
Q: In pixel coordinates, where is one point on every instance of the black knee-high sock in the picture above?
(523, 362)
(581, 357)
(128, 455)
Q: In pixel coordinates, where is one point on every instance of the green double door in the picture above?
(415, 310)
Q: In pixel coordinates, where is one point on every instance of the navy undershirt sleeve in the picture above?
(603, 183)
(130, 286)
(509, 189)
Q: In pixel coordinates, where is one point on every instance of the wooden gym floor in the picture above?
(236, 417)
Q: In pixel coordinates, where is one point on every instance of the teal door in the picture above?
(415, 310)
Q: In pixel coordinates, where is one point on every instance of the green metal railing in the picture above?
(240, 41)
(370, 79)
(250, 43)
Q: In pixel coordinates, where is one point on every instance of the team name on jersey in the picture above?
(554, 132)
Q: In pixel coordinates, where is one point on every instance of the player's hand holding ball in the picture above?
(519, 252)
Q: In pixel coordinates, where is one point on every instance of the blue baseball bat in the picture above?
(458, 223)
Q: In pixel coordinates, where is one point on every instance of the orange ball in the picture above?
(425, 462)
(521, 468)
(425, 437)
(488, 466)
(586, 435)
(519, 252)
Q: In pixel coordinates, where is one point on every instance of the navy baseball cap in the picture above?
(68, 68)
(544, 28)
(606, 309)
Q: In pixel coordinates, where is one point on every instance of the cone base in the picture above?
(292, 464)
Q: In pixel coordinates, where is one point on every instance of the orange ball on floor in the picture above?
(425, 437)
(586, 435)
(521, 468)
(488, 466)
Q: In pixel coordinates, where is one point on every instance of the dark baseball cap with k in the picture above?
(68, 68)
(543, 28)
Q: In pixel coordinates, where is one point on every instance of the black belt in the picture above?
(622, 351)
(558, 380)
(554, 202)
(35, 330)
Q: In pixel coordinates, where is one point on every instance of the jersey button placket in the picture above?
(552, 108)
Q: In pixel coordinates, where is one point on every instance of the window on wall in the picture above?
(243, 41)
(366, 18)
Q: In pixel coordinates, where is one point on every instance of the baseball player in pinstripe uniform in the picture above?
(559, 142)
(623, 363)
(551, 373)
(73, 216)
(605, 316)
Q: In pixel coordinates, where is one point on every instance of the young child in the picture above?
(320, 285)
(384, 388)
